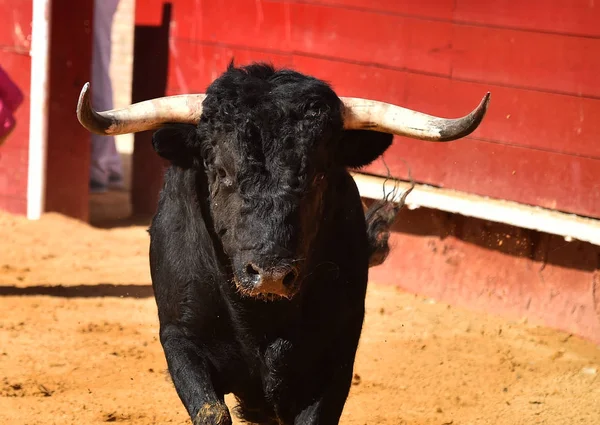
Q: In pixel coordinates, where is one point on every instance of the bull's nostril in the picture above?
(290, 278)
(251, 270)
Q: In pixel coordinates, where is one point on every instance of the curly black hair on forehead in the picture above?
(274, 120)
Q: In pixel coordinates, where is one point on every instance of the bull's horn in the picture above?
(363, 114)
(146, 115)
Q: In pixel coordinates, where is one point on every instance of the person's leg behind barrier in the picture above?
(106, 167)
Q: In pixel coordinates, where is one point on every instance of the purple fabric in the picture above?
(11, 98)
(10, 93)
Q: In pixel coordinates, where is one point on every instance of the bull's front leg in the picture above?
(327, 409)
(190, 371)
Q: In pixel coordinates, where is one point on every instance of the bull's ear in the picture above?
(177, 143)
(359, 148)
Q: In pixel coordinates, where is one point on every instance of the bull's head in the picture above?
(270, 141)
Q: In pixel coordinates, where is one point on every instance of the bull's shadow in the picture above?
(138, 291)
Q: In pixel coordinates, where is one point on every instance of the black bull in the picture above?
(260, 250)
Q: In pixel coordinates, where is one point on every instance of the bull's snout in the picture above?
(278, 280)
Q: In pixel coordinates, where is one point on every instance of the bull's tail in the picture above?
(380, 217)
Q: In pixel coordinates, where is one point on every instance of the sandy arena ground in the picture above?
(78, 345)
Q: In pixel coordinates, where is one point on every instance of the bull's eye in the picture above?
(221, 172)
(319, 177)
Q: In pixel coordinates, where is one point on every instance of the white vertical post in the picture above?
(38, 107)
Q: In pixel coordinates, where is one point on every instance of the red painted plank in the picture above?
(524, 59)
(149, 13)
(528, 176)
(563, 16)
(438, 9)
(68, 157)
(391, 40)
(15, 31)
(526, 118)
(386, 39)
(187, 18)
(13, 205)
(547, 62)
(357, 80)
(328, 31)
(550, 62)
(13, 178)
(250, 23)
(193, 66)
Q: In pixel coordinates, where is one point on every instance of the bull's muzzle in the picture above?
(280, 281)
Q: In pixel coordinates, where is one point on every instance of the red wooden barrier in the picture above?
(540, 61)
(15, 33)
(67, 175)
(67, 171)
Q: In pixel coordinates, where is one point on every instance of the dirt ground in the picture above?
(78, 345)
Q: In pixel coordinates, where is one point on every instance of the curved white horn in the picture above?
(146, 115)
(364, 114)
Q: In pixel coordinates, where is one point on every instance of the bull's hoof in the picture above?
(213, 414)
